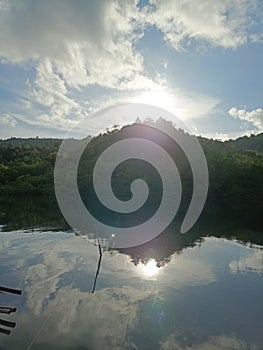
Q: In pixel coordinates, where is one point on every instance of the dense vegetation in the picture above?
(235, 171)
(26, 165)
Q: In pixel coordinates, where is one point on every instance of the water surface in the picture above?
(202, 293)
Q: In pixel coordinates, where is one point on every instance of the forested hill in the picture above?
(235, 170)
(253, 142)
(31, 142)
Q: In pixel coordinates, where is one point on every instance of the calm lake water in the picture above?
(191, 292)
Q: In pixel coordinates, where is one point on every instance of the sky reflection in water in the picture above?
(208, 296)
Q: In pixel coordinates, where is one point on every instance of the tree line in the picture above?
(235, 171)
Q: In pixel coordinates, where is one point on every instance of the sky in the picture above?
(64, 60)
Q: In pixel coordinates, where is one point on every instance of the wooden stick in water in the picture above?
(7, 309)
(5, 331)
(10, 290)
(7, 323)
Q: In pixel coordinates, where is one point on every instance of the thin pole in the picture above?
(98, 268)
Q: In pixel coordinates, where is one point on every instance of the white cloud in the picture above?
(255, 116)
(73, 45)
(87, 42)
(77, 44)
(8, 120)
(93, 41)
(221, 23)
(50, 91)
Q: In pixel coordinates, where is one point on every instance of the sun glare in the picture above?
(159, 98)
(149, 269)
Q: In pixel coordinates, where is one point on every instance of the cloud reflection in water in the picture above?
(56, 271)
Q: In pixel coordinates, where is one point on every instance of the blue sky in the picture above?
(62, 60)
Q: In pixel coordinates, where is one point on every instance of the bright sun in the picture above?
(159, 98)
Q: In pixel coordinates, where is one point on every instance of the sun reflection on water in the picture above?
(150, 269)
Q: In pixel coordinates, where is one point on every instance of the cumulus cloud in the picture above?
(8, 120)
(255, 116)
(220, 23)
(98, 37)
(87, 42)
(73, 45)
